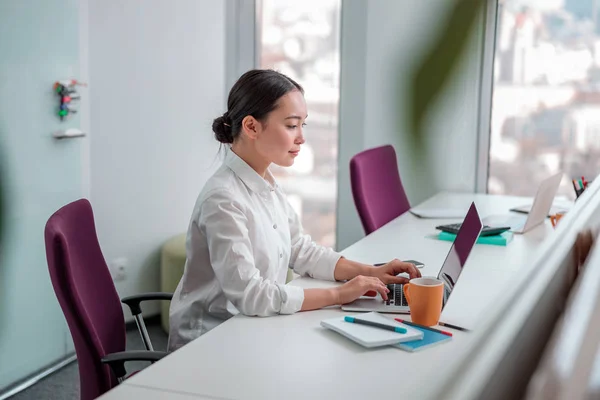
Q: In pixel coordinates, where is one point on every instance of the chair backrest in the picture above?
(86, 293)
(376, 187)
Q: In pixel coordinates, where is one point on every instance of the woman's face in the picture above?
(279, 137)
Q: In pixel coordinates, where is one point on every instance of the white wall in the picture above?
(381, 39)
(156, 71)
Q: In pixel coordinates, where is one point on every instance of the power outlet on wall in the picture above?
(118, 269)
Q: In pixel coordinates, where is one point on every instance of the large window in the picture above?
(546, 97)
(301, 40)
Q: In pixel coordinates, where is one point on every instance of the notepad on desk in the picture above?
(499, 240)
(369, 336)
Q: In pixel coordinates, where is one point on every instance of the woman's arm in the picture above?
(363, 280)
(346, 269)
(356, 287)
(319, 298)
(311, 259)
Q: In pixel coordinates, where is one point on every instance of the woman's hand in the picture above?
(387, 272)
(358, 287)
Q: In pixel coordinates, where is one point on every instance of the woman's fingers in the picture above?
(369, 286)
(409, 268)
(414, 272)
(383, 290)
(397, 279)
(377, 285)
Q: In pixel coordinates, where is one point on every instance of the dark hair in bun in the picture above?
(222, 128)
(256, 93)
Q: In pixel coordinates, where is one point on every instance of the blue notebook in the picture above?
(430, 338)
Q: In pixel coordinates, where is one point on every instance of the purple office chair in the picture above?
(89, 300)
(376, 187)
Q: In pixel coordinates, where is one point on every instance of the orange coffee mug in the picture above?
(424, 296)
(556, 217)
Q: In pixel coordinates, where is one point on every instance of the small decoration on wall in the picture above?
(67, 92)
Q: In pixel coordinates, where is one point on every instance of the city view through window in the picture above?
(546, 95)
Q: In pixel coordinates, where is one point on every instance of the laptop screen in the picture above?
(459, 252)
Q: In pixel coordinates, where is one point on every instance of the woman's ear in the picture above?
(250, 127)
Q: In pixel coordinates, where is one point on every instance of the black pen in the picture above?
(458, 328)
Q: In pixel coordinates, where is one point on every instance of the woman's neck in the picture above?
(251, 157)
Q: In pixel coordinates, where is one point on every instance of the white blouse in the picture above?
(242, 238)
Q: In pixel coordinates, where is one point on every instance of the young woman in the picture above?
(243, 235)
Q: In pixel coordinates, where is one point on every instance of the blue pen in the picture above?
(393, 328)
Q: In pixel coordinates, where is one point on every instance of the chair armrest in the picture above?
(116, 361)
(134, 301)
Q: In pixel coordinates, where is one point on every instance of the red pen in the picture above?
(584, 182)
(423, 327)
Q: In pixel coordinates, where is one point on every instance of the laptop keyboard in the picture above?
(396, 296)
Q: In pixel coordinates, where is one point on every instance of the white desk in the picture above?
(293, 357)
(130, 391)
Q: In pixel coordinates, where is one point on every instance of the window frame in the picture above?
(486, 93)
(241, 36)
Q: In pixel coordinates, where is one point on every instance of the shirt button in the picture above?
(280, 255)
(274, 226)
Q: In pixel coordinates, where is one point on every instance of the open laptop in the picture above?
(538, 212)
(449, 273)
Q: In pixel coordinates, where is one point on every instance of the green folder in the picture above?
(499, 240)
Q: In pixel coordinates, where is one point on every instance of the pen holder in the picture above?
(579, 186)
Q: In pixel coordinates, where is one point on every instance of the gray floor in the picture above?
(64, 384)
